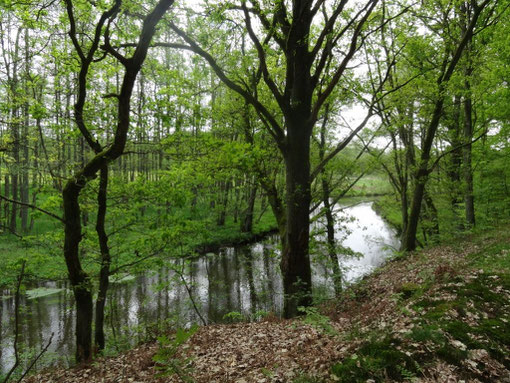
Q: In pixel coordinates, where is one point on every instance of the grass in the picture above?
(388, 208)
(376, 184)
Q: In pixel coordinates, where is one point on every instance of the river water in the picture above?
(235, 281)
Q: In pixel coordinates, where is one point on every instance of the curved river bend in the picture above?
(244, 280)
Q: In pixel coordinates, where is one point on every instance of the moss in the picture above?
(459, 330)
(427, 333)
(452, 355)
(377, 360)
(481, 322)
(408, 290)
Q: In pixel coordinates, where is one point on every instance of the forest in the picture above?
(153, 148)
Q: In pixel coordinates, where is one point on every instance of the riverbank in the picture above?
(438, 315)
(46, 263)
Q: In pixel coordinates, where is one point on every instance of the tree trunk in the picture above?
(422, 173)
(247, 214)
(80, 281)
(295, 263)
(225, 191)
(26, 157)
(469, 201)
(105, 259)
(15, 170)
(409, 237)
(330, 232)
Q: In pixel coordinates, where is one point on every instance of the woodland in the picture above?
(135, 133)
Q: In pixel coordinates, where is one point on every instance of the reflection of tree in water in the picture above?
(65, 346)
(236, 282)
(270, 293)
(247, 256)
(219, 287)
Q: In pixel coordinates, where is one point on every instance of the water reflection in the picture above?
(242, 279)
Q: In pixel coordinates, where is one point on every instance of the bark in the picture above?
(224, 193)
(300, 104)
(26, 157)
(105, 259)
(295, 263)
(455, 163)
(7, 191)
(469, 203)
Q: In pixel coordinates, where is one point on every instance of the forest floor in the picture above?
(436, 315)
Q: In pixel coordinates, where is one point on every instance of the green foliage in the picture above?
(234, 316)
(166, 359)
(314, 318)
(408, 290)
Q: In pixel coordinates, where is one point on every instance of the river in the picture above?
(235, 282)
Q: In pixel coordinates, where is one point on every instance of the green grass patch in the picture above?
(371, 185)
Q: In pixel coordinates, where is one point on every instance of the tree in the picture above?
(300, 67)
(450, 59)
(132, 64)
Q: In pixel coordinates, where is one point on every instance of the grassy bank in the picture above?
(389, 208)
(438, 315)
(176, 238)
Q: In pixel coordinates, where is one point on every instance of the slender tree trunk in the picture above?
(225, 190)
(469, 201)
(24, 173)
(455, 161)
(330, 232)
(409, 237)
(422, 172)
(328, 209)
(7, 191)
(105, 259)
(80, 281)
(15, 170)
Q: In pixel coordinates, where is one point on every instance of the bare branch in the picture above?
(274, 127)
(262, 61)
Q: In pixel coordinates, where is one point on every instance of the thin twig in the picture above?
(190, 294)
(36, 358)
(49, 213)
